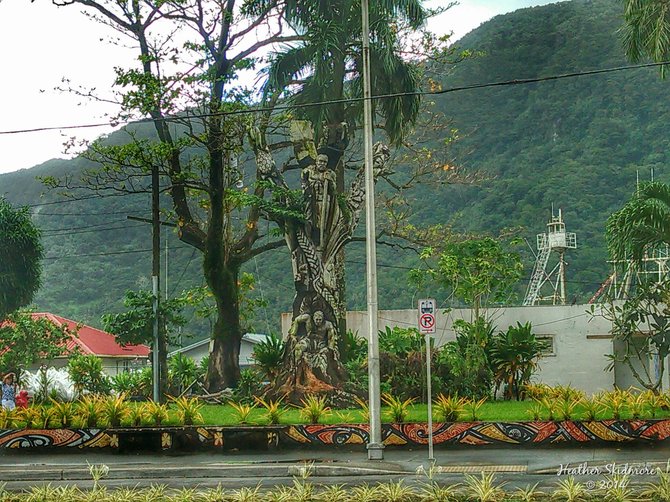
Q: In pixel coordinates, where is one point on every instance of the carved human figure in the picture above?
(320, 184)
(320, 338)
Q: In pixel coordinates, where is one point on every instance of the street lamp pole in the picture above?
(375, 445)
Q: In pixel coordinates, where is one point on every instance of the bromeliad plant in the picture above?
(448, 408)
(89, 411)
(398, 408)
(188, 410)
(471, 407)
(64, 413)
(156, 413)
(114, 410)
(273, 409)
(314, 408)
(243, 411)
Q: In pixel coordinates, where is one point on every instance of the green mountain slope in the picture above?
(576, 143)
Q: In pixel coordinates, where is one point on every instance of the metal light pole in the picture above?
(155, 274)
(375, 445)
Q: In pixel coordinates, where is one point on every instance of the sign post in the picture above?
(427, 327)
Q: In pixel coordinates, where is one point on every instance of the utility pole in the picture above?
(375, 445)
(155, 278)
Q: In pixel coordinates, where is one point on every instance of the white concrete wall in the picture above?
(580, 340)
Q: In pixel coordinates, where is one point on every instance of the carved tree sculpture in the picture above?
(311, 359)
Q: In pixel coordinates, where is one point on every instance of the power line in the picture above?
(174, 288)
(109, 253)
(121, 227)
(502, 83)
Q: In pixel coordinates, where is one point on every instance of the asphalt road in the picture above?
(518, 467)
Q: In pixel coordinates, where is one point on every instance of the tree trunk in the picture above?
(224, 368)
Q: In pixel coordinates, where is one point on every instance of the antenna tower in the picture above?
(552, 281)
(654, 267)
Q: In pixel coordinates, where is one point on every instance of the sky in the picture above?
(41, 44)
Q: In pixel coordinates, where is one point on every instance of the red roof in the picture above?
(90, 340)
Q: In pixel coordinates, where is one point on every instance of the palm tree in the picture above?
(644, 221)
(647, 30)
(327, 64)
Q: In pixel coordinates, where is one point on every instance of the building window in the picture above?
(548, 345)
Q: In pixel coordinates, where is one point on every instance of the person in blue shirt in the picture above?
(8, 392)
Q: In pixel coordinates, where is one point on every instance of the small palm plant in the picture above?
(273, 409)
(268, 355)
(89, 411)
(243, 411)
(313, 408)
(64, 413)
(398, 408)
(655, 402)
(528, 494)
(535, 411)
(448, 408)
(156, 413)
(188, 410)
(114, 410)
(396, 492)
(472, 408)
(549, 406)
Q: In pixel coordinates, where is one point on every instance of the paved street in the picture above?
(517, 467)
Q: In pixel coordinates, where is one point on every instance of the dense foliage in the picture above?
(20, 258)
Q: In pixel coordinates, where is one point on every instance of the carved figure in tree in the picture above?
(319, 183)
(320, 338)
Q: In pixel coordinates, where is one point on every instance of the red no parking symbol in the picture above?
(427, 323)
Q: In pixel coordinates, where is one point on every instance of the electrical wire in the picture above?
(174, 288)
(502, 83)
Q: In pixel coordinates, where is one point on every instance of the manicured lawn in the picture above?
(497, 411)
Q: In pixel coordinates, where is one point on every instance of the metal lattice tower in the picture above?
(654, 267)
(554, 242)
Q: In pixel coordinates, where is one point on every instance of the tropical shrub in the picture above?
(354, 347)
(615, 402)
(128, 382)
(268, 355)
(156, 413)
(114, 409)
(471, 408)
(86, 374)
(514, 355)
(182, 372)
(136, 415)
(64, 413)
(448, 408)
(89, 411)
(243, 411)
(188, 410)
(314, 408)
(249, 386)
(463, 364)
(398, 408)
(273, 409)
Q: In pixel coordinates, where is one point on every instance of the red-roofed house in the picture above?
(116, 358)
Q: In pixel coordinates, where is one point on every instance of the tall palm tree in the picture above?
(642, 222)
(647, 30)
(327, 64)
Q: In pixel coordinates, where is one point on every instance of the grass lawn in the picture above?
(496, 411)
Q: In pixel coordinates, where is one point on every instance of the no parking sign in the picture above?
(427, 316)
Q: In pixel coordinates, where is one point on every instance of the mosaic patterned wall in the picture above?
(258, 438)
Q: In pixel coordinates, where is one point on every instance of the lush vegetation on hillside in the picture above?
(576, 143)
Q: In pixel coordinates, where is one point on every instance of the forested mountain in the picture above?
(576, 143)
